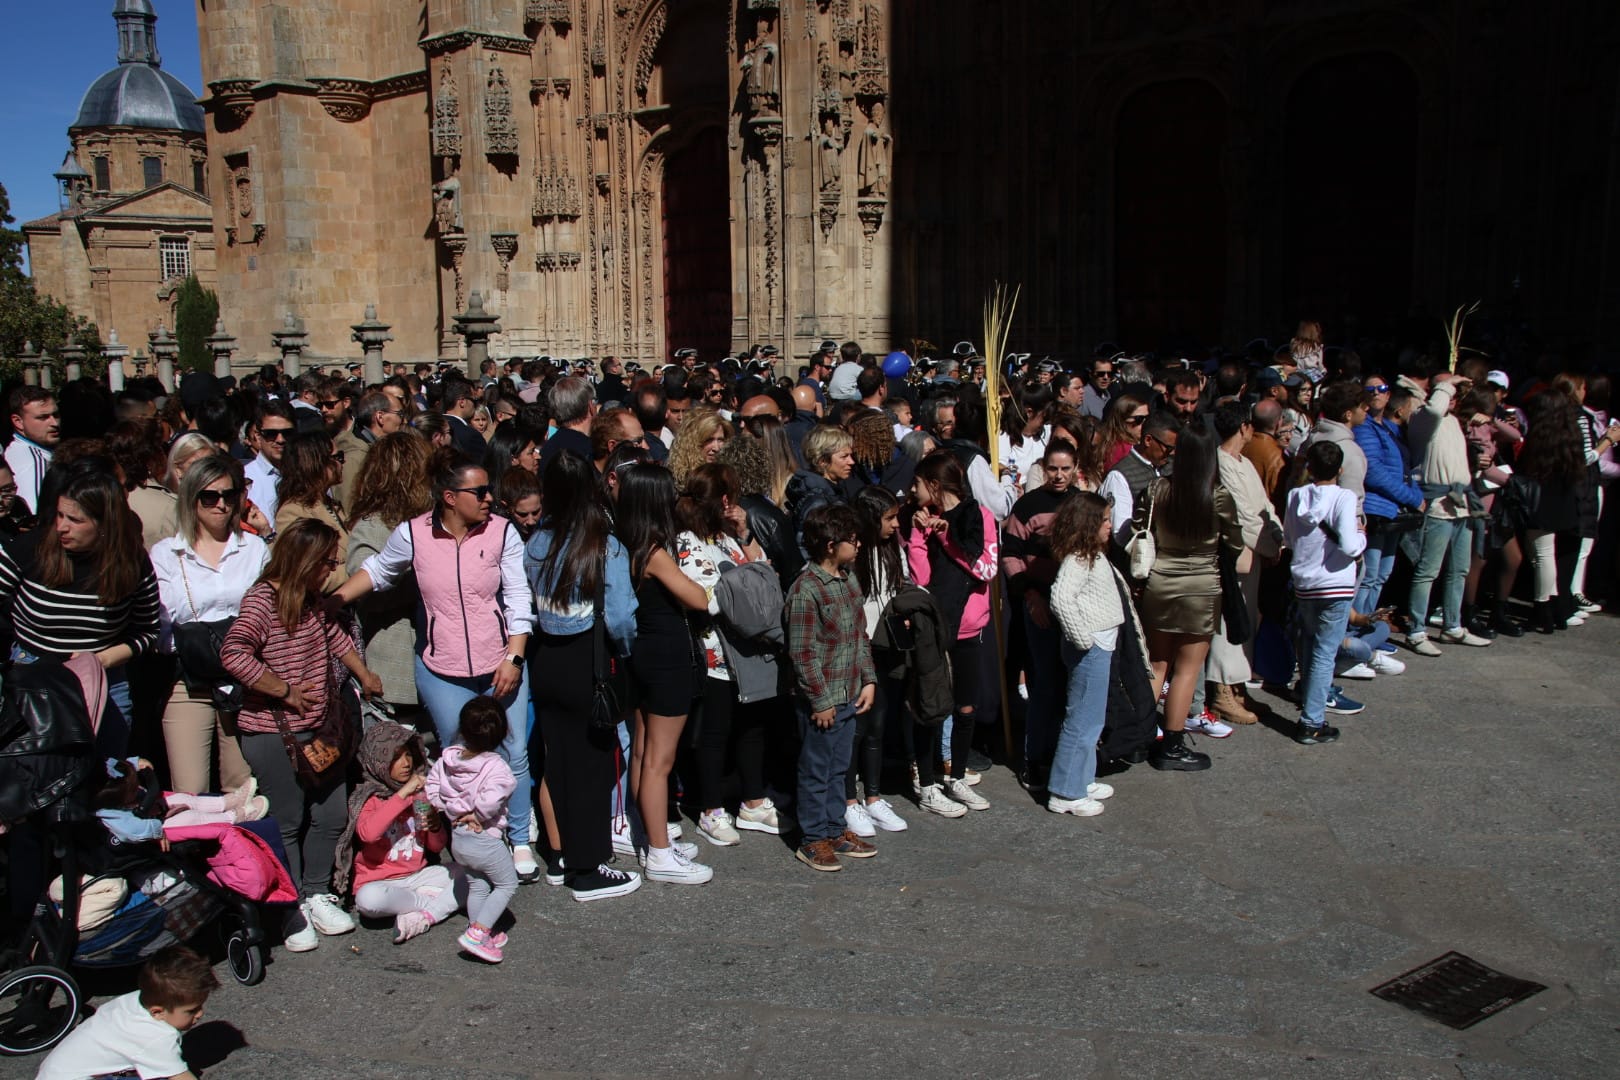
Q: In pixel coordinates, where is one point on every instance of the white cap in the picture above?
(1497, 378)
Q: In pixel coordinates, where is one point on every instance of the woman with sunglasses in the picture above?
(1122, 428)
(203, 571)
(468, 566)
(310, 468)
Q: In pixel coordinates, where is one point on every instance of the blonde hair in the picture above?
(822, 442)
(686, 452)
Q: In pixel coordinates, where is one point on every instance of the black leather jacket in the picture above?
(774, 531)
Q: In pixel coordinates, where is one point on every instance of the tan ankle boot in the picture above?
(1228, 704)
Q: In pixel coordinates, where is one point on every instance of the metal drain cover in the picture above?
(1456, 990)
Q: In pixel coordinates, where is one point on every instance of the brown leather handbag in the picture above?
(324, 759)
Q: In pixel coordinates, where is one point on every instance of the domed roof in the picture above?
(138, 92)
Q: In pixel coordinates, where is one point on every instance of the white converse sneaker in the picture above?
(1077, 807)
(622, 844)
(761, 818)
(1099, 791)
(687, 850)
(675, 830)
(884, 817)
(934, 800)
(858, 821)
(1359, 671)
(715, 826)
(299, 933)
(327, 916)
(672, 866)
(962, 793)
(1207, 723)
(1386, 664)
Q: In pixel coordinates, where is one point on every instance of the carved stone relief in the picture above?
(446, 117)
(500, 132)
(505, 245)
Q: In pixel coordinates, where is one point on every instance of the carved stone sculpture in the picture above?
(831, 145)
(500, 132)
(447, 206)
(761, 80)
(446, 117)
(872, 160)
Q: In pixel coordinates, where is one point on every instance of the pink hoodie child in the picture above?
(479, 785)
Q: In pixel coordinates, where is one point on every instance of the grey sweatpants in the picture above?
(310, 822)
(491, 877)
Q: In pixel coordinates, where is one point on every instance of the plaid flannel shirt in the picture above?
(826, 638)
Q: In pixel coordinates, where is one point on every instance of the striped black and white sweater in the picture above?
(71, 619)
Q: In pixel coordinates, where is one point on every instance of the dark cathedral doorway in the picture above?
(1170, 221)
(1349, 185)
(697, 187)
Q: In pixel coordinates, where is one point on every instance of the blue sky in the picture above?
(56, 50)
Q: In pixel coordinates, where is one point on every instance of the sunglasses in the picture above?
(481, 492)
(1378, 388)
(330, 404)
(210, 498)
(1136, 421)
(1169, 448)
(1102, 375)
(275, 434)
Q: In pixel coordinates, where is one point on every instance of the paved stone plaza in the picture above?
(1226, 924)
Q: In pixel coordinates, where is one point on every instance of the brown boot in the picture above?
(1228, 704)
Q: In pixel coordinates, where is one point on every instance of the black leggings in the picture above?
(965, 683)
(866, 760)
(725, 724)
(578, 758)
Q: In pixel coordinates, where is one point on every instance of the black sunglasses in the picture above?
(1136, 421)
(211, 498)
(275, 434)
(330, 404)
(481, 492)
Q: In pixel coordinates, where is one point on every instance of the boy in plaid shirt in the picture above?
(832, 664)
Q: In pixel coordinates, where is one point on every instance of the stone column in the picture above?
(222, 345)
(292, 340)
(72, 361)
(47, 377)
(115, 353)
(164, 350)
(29, 358)
(475, 325)
(372, 335)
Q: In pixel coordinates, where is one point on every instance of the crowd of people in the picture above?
(563, 612)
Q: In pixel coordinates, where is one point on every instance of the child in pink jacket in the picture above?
(471, 783)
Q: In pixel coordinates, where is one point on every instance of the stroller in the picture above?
(111, 907)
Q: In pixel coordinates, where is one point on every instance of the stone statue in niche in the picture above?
(872, 160)
(831, 144)
(761, 80)
(447, 206)
(242, 191)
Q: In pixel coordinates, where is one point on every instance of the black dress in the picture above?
(661, 660)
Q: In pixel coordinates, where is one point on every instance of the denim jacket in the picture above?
(618, 598)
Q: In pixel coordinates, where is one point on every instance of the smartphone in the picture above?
(900, 632)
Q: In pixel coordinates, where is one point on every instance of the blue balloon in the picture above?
(896, 365)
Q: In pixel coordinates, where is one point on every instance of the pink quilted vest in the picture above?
(460, 585)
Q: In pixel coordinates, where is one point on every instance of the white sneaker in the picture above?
(715, 826)
(1207, 723)
(1462, 636)
(971, 778)
(327, 917)
(622, 844)
(304, 938)
(1099, 791)
(884, 817)
(1420, 644)
(1385, 663)
(673, 866)
(1359, 671)
(858, 821)
(916, 782)
(934, 800)
(675, 830)
(1077, 807)
(1254, 684)
(1438, 619)
(962, 793)
(524, 862)
(761, 818)
(1577, 619)
(1023, 691)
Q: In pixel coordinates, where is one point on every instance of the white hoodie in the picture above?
(1324, 568)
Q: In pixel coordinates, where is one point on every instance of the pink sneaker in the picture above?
(411, 924)
(484, 948)
(478, 933)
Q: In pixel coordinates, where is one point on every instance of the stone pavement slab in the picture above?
(1223, 924)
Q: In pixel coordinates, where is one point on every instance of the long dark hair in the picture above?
(1027, 399)
(870, 504)
(305, 469)
(577, 519)
(295, 558)
(644, 516)
(1187, 507)
(119, 556)
(700, 511)
(1553, 452)
(506, 442)
(943, 472)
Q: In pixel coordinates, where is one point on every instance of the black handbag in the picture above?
(610, 675)
(1237, 627)
(197, 647)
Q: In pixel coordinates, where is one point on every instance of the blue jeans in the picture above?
(823, 761)
(1444, 541)
(1042, 717)
(1074, 765)
(1319, 626)
(1359, 648)
(443, 698)
(1378, 563)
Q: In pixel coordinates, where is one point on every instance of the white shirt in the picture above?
(121, 1037)
(28, 461)
(215, 592)
(1025, 458)
(988, 491)
(262, 478)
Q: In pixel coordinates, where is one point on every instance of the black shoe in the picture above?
(1032, 778)
(1172, 753)
(1481, 625)
(978, 762)
(1508, 627)
(602, 883)
(1136, 757)
(1545, 622)
(1306, 735)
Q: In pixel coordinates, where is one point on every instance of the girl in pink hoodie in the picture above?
(471, 784)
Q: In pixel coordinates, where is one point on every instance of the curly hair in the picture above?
(392, 481)
(686, 452)
(871, 435)
(752, 464)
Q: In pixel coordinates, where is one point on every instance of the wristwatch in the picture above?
(516, 660)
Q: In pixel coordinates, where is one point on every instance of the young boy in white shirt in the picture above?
(138, 1034)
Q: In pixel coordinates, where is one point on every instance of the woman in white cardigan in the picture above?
(1086, 600)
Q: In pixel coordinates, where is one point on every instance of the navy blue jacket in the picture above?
(1389, 467)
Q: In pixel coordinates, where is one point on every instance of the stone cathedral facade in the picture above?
(611, 176)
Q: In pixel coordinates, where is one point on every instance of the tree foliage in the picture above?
(195, 309)
(26, 316)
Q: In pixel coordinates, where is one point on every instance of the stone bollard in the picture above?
(372, 335)
(292, 340)
(164, 350)
(222, 345)
(475, 326)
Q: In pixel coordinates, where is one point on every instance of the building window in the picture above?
(199, 177)
(176, 253)
(103, 174)
(152, 171)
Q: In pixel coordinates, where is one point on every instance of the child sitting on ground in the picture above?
(138, 1034)
(392, 828)
(471, 784)
(832, 666)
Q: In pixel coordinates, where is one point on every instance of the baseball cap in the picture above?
(1497, 378)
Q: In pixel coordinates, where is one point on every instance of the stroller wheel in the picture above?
(38, 1007)
(246, 961)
